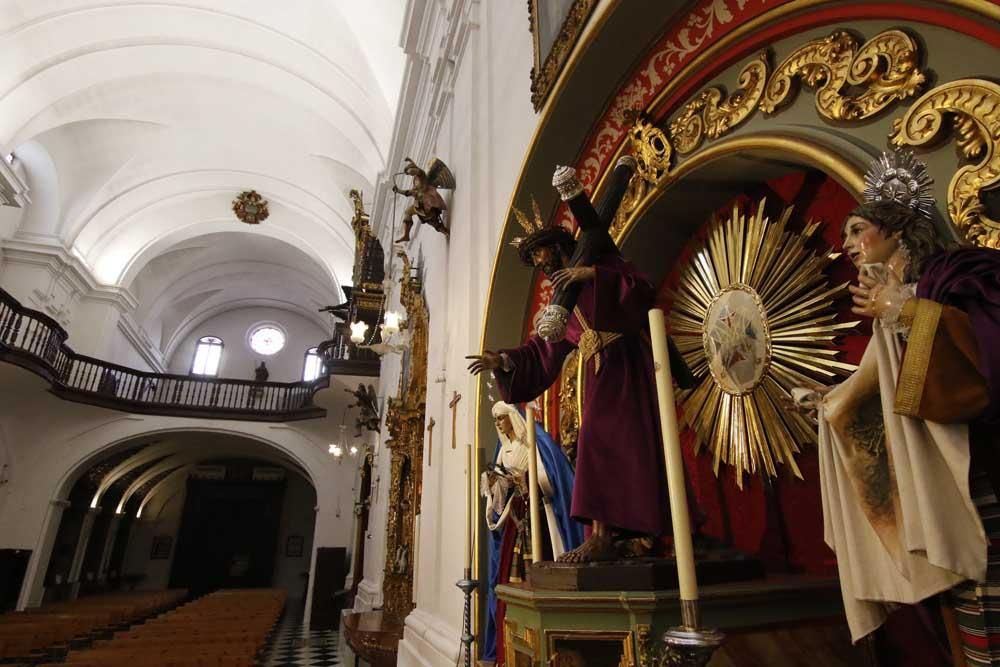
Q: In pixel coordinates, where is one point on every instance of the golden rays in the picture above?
(753, 316)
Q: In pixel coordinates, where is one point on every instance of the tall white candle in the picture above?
(536, 531)
(469, 504)
(683, 548)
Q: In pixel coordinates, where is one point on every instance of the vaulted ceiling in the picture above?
(140, 122)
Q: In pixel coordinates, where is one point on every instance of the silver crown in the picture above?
(900, 177)
(565, 181)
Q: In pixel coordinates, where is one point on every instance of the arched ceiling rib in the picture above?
(156, 114)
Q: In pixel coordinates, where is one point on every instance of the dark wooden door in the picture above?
(228, 535)
(13, 565)
(328, 594)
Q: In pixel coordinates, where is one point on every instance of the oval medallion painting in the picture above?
(754, 316)
(736, 340)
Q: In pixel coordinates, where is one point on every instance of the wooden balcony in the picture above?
(37, 343)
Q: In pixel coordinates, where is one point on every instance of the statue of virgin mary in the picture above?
(505, 487)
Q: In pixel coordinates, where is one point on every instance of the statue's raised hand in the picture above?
(575, 274)
(487, 361)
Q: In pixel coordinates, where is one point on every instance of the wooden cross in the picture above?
(430, 440)
(454, 414)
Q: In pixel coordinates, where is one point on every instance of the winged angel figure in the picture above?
(427, 204)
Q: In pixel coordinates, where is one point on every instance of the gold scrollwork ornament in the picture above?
(651, 149)
(707, 115)
(886, 67)
(973, 105)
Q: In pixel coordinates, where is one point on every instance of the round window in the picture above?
(267, 340)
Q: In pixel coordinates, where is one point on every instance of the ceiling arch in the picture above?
(147, 118)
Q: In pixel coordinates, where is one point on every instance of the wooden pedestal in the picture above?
(778, 621)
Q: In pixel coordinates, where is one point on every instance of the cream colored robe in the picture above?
(897, 509)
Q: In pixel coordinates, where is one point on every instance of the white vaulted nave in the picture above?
(617, 333)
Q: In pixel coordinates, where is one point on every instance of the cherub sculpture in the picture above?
(427, 203)
(367, 404)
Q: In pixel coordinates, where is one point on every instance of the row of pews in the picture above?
(227, 628)
(54, 628)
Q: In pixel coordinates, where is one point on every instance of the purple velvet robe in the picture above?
(620, 474)
(969, 279)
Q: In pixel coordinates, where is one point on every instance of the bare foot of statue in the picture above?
(635, 547)
(597, 547)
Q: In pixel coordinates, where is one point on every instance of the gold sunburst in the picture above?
(753, 316)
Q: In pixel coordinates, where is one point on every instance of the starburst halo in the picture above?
(753, 315)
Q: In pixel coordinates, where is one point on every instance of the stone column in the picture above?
(81, 550)
(109, 545)
(33, 588)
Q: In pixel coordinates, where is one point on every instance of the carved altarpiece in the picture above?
(405, 424)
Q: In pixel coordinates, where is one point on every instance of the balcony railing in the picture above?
(36, 342)
(342, 357)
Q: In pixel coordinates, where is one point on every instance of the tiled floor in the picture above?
(289, 648)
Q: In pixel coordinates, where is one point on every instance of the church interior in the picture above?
(582, 333)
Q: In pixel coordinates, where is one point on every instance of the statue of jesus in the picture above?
(620, 486)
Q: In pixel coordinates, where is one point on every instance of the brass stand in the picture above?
(690, 645)
(467, 584)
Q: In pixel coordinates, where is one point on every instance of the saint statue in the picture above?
(620, 485)
(367, 403)
(505, 487)
(427, 203)
(908, 443)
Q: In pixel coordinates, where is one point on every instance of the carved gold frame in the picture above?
(405, 425)
(525, 643)
(626, 637)
(544, 74)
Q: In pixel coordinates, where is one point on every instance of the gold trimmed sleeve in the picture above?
(939, 379)
(913, 374)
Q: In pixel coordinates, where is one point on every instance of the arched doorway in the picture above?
(190, 510)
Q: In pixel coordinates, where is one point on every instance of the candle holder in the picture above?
(690, 645)
(467, 584)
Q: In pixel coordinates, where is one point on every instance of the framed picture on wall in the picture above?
(161, 547)
(555, 27)
(293, 546)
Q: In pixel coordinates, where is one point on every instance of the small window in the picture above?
(207, 356)
(267, 340)
(313, 367)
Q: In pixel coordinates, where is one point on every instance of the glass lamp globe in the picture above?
(358, 330)
(391, 324)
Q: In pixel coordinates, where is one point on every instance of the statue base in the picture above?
(640, 574)
(770, 621)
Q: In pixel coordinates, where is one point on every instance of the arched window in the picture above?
(207, 356)
(313, 367)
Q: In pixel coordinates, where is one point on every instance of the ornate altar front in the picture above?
(773, 622)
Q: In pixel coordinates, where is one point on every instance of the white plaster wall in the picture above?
(479, 120)
(165, 519)
(238, 360)
(49, 441)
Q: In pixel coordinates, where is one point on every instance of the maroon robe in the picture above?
(620, 475)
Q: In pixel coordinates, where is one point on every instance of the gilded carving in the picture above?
(885, 68)
(544, 74)
(973, 107)
(651, 149)
(569, 413)
(405, 425)
(753, 317)
(709, 115)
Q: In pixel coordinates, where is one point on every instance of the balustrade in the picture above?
(35, 341)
